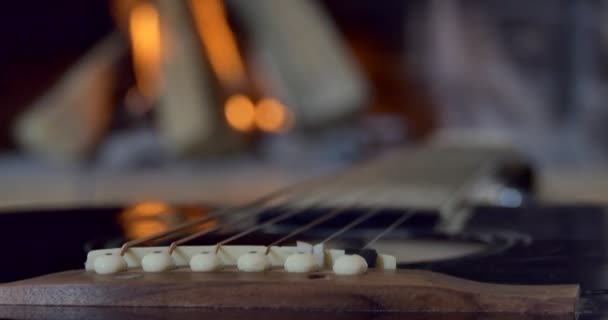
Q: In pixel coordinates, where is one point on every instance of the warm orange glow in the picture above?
(150, 217)
(145, 218)
(271, 115)
(144, 228)
(149, 209)
(240, 112)
(219, 41)
(121, 10)
(144, 28)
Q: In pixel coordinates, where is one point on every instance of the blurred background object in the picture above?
(67, 122)
(302, 60)
(531, 70)
(108, 102)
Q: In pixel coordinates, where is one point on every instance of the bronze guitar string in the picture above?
(290, 213)
(407, 214)
(254, 208)
(333, 213)
(285, 215)
(224, 212)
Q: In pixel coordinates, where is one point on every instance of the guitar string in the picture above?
(351, 224)
(405, 216)
(244, 216)
(333, 213)
(129, 244)
(307, 184)
(369, 213)
(282, 217)
(459, 192)
(257, 227)
(201, 233)
(408, 213)
(285, 215)
(230, 210)
(254, 228)
(327, 216)
(330, 214)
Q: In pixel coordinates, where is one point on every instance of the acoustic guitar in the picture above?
(350, 245)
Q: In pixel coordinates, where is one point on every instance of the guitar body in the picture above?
(539, 279)
(531, 262)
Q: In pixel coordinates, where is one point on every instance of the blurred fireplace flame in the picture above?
(145, 35)
(150, 217)
(240, 112)
(272, 116)
(150, 209)
(144, 219)
(219, 42)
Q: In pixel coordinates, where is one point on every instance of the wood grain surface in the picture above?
(397, 291)
(119, 313)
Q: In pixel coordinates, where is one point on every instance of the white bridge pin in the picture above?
(110, 263)
(157, 261)
(350, 264)
(301, 262)
(205, 262)
(253, 262)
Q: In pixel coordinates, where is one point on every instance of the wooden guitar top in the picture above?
(377, 290)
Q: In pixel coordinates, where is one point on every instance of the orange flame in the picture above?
(219, 41)
(150, 217)
(271, 115)
(240, 112)
(149, 209)
(144, 28)
(144, 219)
